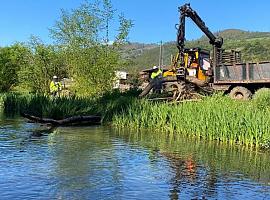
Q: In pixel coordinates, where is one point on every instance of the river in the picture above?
(103, 163)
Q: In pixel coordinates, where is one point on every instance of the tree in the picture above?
(42, 63)
(83, 34)
(11, 59)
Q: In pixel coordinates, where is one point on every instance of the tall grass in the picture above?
(214, 118)
(62, 107)
(45, 106)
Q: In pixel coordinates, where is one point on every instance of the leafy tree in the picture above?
(83, 34)
(11, 59)
(42, 63)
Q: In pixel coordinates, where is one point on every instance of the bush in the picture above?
(261, 98)
(11, 59)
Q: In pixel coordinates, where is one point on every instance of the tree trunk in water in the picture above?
(71, 121)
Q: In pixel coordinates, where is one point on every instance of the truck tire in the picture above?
(240, 93)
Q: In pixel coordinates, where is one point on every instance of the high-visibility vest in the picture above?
(156, 74)
(55, 86)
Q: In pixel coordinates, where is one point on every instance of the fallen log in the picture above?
(189, 79)
(71, 121)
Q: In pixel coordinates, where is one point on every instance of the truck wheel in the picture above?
(240, 93)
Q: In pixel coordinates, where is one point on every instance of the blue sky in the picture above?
(154, 20)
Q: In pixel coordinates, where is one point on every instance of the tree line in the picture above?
(82, 50)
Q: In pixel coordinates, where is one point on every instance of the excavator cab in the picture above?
(197, 63)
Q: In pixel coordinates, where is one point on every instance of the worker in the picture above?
(156, 73)
(55, 86)
(156, 79)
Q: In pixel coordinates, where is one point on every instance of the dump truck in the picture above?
(196, 69)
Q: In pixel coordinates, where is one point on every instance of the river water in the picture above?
(102, 163)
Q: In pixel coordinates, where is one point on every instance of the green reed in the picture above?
(61, 107)
(214, 118)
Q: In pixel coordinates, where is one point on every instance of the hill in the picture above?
(133, 50)
(255, 46)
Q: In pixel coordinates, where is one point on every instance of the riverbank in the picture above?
(214, 118)
(62, 107)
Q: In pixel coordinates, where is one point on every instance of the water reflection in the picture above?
(207, 169)
(101, 163)
(85, 163)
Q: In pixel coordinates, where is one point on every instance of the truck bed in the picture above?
(243, 73)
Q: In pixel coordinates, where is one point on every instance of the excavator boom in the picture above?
(187, 11)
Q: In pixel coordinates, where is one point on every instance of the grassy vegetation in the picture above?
(58, 108)
(213, 118)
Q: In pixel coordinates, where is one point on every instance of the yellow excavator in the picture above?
(190, 68)
(194, 70)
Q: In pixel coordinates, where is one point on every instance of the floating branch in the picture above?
(71, 121)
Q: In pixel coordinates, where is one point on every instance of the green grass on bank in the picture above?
(213, 118)
(63, 107)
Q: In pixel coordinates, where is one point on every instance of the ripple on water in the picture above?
(99, 163)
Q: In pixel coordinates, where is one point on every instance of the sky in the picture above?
(154, 20)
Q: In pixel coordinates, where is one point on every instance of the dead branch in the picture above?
(71, 121)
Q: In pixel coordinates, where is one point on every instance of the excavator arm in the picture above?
(187, 11)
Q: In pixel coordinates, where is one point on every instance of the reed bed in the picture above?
(62, 107)
(44, 106)
(214, 118)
